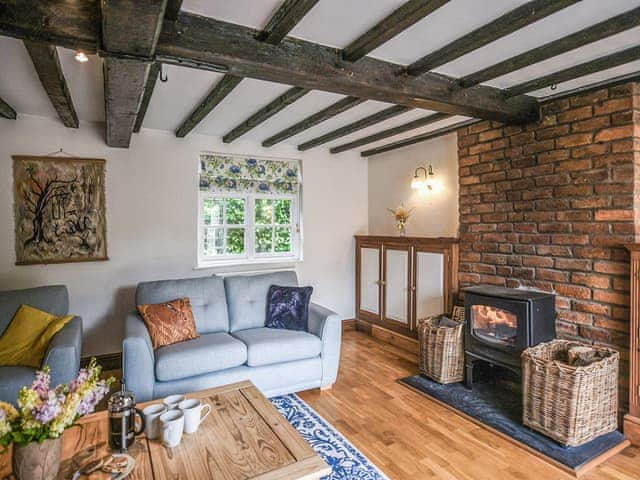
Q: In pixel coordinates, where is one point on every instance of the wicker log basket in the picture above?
(571, 404)
(442, 348)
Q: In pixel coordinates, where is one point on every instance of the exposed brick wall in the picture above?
(550, 204)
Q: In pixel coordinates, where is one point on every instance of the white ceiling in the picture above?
(334, 23)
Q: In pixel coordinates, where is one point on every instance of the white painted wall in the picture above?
(434, 214)
(151, 219)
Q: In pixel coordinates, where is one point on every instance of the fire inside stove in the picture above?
(494, 324)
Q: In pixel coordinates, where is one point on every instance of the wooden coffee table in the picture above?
(244, 437)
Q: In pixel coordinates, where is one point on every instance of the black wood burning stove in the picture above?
(502, 322)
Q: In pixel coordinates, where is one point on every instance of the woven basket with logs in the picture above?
(570, 390)
(442, 347)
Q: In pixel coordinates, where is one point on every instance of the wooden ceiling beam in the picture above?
(508, 23)
(213, 98)
(390, 132)
(284, 19)
(6, 111)
(125, 77)
(47, 64)
(387, 28)
(611, 26)
(312, 120)
(152, 78)
(205, 43)
(367, 121)
(586, 68)
(173, 9)
(283, 101)
(417, 139)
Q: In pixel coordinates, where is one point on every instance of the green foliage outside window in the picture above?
(235, 241)
(283, 239)
(235, 211)
(283, 212)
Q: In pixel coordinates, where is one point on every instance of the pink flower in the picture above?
(41, 384)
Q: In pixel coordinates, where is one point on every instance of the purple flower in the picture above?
(41, 384)
(90, 401)
(48, 410)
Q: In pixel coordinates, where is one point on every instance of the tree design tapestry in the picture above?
(59, 208)
(236, 174)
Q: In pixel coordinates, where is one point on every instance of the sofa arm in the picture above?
(327, 325)
(63, 353)
(138, 361)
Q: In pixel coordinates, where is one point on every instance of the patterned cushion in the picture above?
(288, 307)
(169, 322)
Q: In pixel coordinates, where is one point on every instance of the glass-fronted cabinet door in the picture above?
(396, 287)
(368, 278)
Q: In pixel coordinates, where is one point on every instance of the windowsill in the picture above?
(255, 265)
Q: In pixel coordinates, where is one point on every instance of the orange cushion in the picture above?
(169, 322)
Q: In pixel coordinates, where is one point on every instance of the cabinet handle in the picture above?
(381, 282)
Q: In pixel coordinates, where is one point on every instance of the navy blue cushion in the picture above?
(288, 307)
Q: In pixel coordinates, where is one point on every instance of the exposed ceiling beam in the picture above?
(312, 120)
(213, 98)
(47, 63)
(418, 138)
(591, 34)
(390, 132)
(387, 28)
(152, 78)
(202, 42)
(586, 68)
(171, 14)
(367, 121)
(508, 23)
(205, 43)
(173, 9)
(6, 111)
(284, 100)
(74, 25)
(284, 19)
(125, 78)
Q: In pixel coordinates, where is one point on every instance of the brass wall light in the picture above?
(424, 181)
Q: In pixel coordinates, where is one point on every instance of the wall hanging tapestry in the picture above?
(59, 208)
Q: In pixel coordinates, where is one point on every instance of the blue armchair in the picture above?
(63, 354)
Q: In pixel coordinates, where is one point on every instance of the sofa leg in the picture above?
(326, 387)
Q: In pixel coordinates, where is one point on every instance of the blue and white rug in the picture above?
(346, 461)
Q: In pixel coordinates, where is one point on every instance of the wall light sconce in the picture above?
(423, 182)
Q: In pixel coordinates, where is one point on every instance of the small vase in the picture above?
(37, 461)
(401, 226)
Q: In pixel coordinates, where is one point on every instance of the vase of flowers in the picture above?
(401, 215)
(43, 413)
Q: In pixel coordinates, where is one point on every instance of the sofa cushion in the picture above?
(288, 307)
(269, 345)
(247, 297)
(169, 322)
(206, 294)
(12, 379)
(208, 353)
(53, 299)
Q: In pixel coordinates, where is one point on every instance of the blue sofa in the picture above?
(63, 354)
(234, 344)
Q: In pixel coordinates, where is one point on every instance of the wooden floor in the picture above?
(410, 437)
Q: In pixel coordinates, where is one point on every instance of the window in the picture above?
(248, 210)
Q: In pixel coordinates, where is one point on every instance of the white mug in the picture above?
(152, 425)
(172, 401)
(172, 427)
(193, 417)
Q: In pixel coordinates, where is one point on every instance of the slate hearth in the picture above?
(501, 410)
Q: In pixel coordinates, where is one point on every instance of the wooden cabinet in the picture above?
(402, 279)
(632, 419)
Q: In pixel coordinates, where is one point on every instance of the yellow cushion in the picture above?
(25, 341)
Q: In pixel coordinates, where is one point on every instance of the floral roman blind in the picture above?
(236, 174)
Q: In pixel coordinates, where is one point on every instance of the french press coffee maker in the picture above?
(122, 420)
